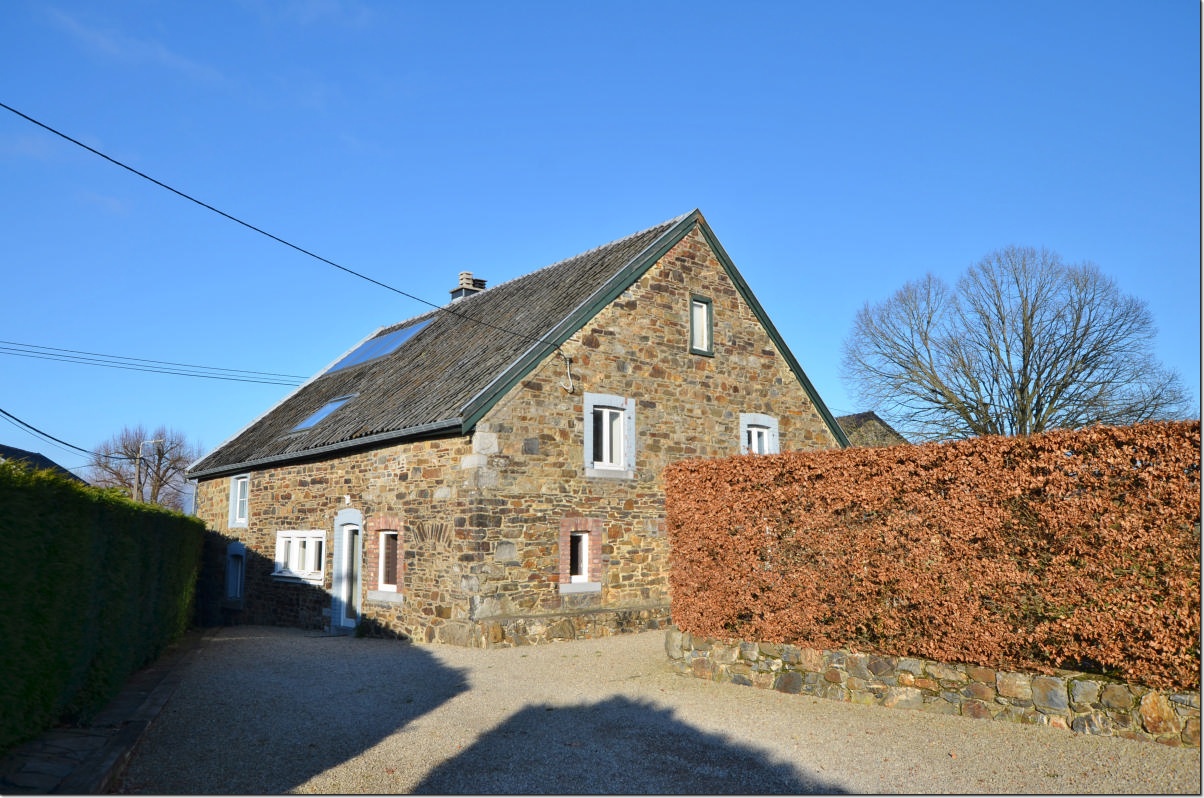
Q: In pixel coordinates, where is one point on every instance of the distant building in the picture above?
(37, 462)
(866, 429)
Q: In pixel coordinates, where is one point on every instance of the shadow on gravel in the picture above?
(264, 709)
(618, 746)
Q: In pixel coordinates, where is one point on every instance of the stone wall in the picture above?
(481, 517)
(1084, 703)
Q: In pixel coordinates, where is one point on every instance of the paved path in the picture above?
(80, 760)
(267, 710)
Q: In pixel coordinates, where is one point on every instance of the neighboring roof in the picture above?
(35, 461)
(449, 373)
(867, 429)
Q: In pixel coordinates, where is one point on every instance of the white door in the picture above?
(345, 604)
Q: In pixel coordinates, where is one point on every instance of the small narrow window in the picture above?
(240, 491)
(581, 563)
(700, 326)
(578, 556)
(388, 561)
(236, 564)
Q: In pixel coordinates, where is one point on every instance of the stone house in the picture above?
(867, 429)
(488, 473)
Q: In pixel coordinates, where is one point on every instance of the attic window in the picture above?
(378, 347)
(322, 412)
(701, 324)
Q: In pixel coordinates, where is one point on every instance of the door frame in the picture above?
(346, 584)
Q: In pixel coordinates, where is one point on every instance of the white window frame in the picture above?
(579, 543)
(301, 555)
(381, 584)
(758, 425)
(702, 335)
(756, 439)
(608, 452)
(623, 465)
(240, 500)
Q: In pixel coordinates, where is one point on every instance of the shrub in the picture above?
(1069, 549)
(96, 587)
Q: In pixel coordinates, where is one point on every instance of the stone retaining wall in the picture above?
(506, 632)
(1084, 703)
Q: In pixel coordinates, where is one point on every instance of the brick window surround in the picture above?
(375, 525)
(594, 526)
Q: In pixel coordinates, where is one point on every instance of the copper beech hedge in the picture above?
(1069, 549)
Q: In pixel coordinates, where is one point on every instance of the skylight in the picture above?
(378, 347)
(322, 412)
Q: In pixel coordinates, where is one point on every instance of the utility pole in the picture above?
(136, 490)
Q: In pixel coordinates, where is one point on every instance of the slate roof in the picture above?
(449, 373)
(35, 461)
(867, 429)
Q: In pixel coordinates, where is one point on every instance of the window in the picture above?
(700, 326)
(378, 347)
(578, 556)
(387, 579)
(758, 434)
(301, 555)
(236, 565)
(322, 412)
(756, 439)
(609, 436)
(581, 568)
(240, 490)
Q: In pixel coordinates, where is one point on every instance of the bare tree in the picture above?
(148, 466)
(1024, 343)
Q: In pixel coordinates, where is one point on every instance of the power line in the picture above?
(278, 239)
(27, 432)
(144, 364)
(261, 231)
(48, 436)
(160, 362)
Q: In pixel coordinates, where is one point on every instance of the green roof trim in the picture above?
(774, 335)
(624, 279)
(457, 369)
(609, 292)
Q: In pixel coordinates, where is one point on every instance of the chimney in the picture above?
(468, 285)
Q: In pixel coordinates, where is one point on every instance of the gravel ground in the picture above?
(269, 710)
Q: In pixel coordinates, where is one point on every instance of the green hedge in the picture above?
(94, 586)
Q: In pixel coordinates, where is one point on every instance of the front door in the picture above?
(345, 604)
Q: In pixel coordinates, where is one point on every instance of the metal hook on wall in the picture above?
(568, 363)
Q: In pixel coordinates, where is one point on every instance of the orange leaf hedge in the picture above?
(1070, 549)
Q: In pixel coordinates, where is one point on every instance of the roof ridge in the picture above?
(460, 303)
(617, 241)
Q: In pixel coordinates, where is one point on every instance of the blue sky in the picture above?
(838, 150)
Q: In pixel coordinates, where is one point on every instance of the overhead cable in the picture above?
(48, 436)
(144, 364)
(263, 232)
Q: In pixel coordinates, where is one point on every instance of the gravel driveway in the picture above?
(270, 710)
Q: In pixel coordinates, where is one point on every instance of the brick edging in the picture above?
(1079, 702)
